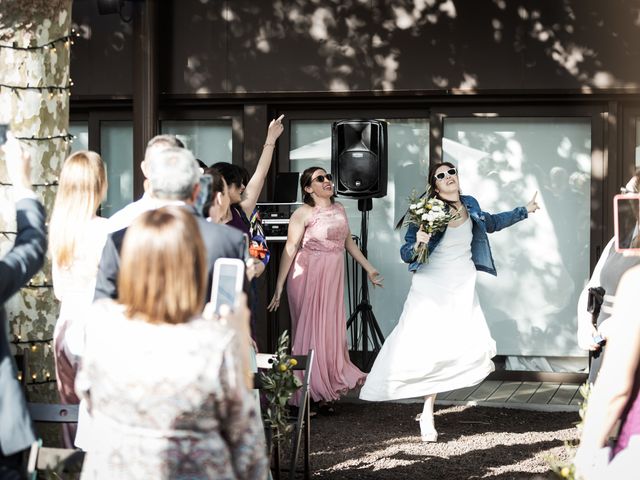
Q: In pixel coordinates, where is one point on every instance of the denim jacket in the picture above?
(483, 223)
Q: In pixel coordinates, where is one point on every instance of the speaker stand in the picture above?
(363, 320)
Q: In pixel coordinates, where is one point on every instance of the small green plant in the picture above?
(563, 468)
(279, 384)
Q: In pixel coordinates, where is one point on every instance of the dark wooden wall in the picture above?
(240, 47)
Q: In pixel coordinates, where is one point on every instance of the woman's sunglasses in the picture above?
(449, 173)
(322, 178)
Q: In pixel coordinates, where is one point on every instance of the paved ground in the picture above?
(381, 441)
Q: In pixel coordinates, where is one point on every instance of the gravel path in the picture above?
(381, 441)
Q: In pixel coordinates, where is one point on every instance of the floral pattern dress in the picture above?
(167, 401)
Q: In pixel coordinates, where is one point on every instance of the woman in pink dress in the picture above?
(317, 237)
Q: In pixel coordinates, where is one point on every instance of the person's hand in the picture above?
(532, 206)
(275, 130)
(593, 345)
(375, 278)
(422, 236)
(239, 321)
(255, 268)
(632, 185)
(18, 162)
(275, 301)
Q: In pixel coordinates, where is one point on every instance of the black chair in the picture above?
(302, 422)
(47, 459)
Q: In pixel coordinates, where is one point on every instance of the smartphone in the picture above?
(599, 340)
(203, 195)
(626, 212)
(228, 278)
(3, 133)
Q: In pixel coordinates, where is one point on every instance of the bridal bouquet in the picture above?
(431, 214)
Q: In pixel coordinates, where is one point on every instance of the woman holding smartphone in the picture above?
(313, 266)
(174, 405)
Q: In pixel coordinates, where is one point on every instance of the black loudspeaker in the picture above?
(359, 158)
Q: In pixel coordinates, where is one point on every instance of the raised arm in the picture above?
(294, 237)
(27, 254)
(254, 187)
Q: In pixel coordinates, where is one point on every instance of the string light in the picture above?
(52, 183)
(30, 342)
(67, 137)
(66, 39)
(51, 89)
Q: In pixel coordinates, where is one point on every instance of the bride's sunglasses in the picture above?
(449, 173)
(322, 178)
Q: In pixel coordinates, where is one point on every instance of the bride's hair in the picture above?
(431, 188)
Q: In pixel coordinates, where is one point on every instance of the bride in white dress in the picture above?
(442, 341)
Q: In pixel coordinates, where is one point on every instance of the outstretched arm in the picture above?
(354, 251)
(254, 187)
(294, 236)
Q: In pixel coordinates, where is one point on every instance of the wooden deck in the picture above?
(545, 396)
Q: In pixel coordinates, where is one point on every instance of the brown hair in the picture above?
(217, 186)
(163, 274)
(81, 189)
(305, 180)
(431, 181)
(431, 187)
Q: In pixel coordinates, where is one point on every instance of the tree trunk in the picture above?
(35, 112)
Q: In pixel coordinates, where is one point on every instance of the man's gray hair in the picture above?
(161, 142)
(173, 174)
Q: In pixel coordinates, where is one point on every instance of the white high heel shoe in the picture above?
(427, 430)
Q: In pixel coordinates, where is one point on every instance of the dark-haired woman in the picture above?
(313, 266)
(442, 341)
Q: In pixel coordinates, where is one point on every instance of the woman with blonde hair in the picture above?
(76, 238)
(164, 385)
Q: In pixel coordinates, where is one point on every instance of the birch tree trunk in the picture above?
(34, 113)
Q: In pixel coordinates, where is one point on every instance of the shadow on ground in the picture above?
(381, 441)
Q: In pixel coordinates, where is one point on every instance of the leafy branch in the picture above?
(279, 384)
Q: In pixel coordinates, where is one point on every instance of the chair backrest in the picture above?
(58, 460)
(53, 412)
(22, 365)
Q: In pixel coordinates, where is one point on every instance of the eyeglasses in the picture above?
(322, 178)
(449, 173)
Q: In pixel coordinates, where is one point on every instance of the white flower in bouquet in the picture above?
(432, 215)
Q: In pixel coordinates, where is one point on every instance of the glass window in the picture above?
(408, 160)
(80, 130)
(116, 148)
(543, 262)
(209, 140)
(637, 151)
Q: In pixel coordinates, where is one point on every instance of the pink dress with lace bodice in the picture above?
(315, 288)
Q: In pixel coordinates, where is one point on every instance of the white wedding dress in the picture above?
(442, 341)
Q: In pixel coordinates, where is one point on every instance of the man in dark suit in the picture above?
(174, 178)
(16, 268)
